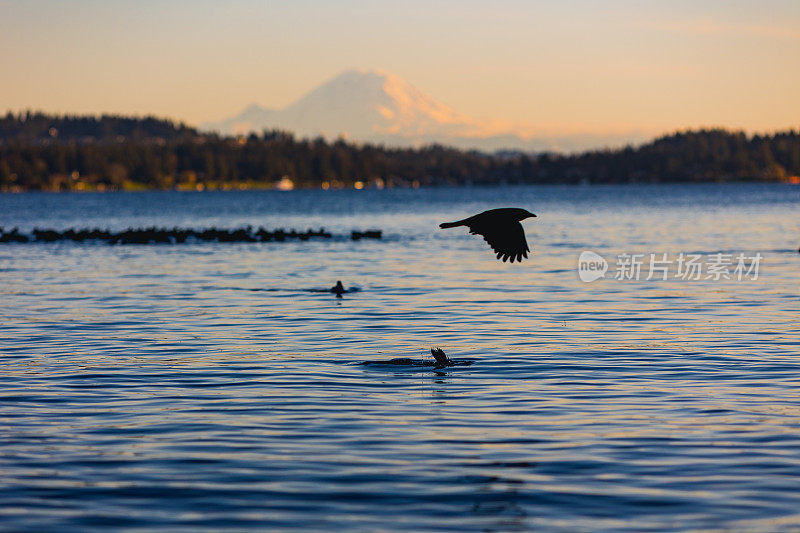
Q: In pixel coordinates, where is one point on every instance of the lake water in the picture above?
(206, 386)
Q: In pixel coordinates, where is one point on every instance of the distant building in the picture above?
(285, 184)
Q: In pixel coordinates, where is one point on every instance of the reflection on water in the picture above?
(210, 386)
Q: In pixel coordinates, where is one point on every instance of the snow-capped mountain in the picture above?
(379, 107)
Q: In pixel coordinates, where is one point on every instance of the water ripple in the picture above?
(209, 387)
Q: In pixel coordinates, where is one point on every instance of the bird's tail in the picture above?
(457, 223)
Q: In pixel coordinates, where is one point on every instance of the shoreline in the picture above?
(200, 188)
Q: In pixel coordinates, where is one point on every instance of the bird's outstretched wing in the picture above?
(507, 241)
(441, 357)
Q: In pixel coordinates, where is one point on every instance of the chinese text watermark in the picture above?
(663, 266)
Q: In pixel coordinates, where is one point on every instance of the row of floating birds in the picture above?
(156, 235)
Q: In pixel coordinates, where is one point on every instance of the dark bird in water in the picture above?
(501, 228)
(338, 289)
(440, 361)
(441, 357)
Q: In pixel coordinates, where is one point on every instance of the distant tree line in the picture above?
(46, 152)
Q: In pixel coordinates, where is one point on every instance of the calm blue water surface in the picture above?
(205, 387)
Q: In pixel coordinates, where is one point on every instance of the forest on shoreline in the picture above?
(46, 152)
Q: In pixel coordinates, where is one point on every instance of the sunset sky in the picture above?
(562, 67)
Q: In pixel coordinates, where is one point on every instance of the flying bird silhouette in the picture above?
(501, 228)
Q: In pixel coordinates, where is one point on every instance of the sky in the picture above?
(563, 67)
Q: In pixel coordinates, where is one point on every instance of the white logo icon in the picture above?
(591, 266)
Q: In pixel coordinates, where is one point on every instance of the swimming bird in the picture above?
(501, 228)
(338, 289)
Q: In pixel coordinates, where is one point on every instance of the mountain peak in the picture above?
(372, 105)
(366, 103)
(369, 105)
